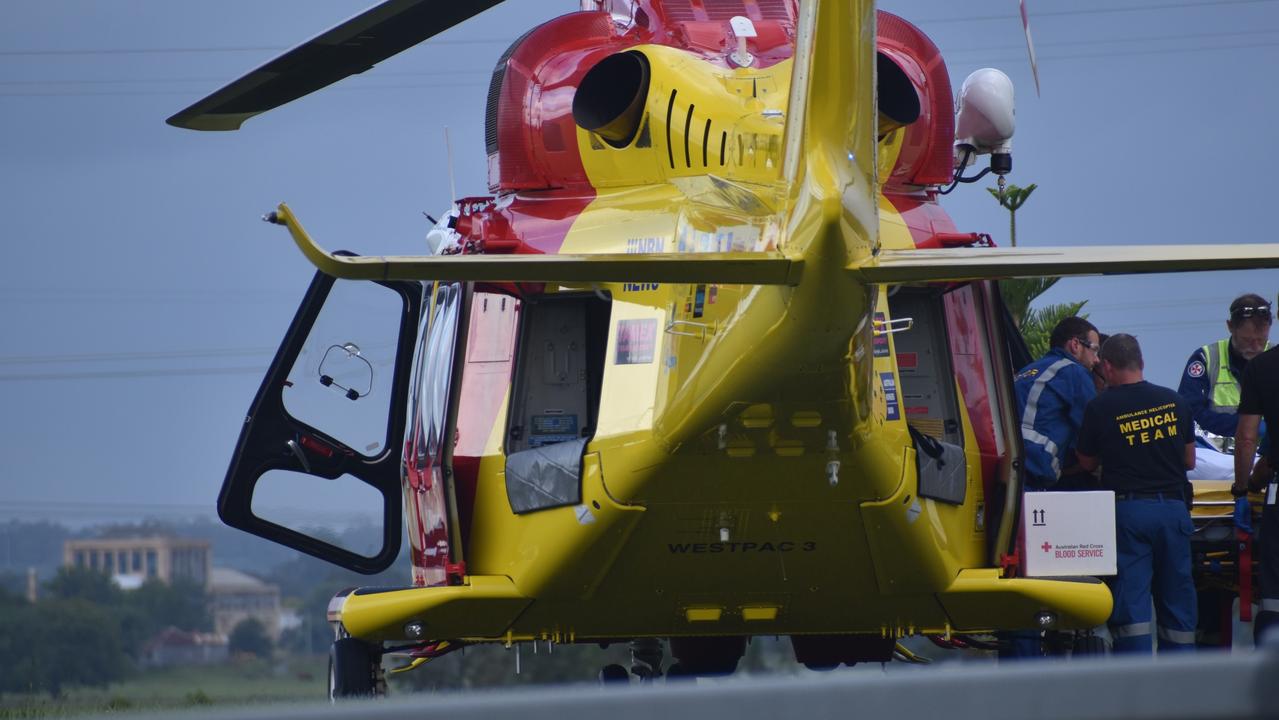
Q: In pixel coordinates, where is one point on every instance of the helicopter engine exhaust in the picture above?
(898, 100)
(610, 99)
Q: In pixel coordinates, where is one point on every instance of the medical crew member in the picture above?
(1210, 382)
(1142, 437)
(1051, 395)
(1258, 401)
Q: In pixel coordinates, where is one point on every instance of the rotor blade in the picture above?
(350, 48)
(747, 268)
(979, 263)
(1030, 45)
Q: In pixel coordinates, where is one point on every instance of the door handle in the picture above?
(297, 453)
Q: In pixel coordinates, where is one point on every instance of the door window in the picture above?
(341, 381)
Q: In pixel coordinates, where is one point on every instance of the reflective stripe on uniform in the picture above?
(1223, 389)
(1269, 605)
(1048, 445)
(1181, 637)
(1132, 630)
(1028, 431)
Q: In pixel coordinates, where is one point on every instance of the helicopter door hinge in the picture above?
(455, 572)
(1010, 563)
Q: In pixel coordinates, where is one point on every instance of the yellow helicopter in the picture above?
(709, 363)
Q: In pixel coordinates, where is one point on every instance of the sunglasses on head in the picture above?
(1251, 311)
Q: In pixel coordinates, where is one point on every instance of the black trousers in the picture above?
(1268, 556)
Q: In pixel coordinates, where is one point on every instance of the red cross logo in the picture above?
(1046, 546)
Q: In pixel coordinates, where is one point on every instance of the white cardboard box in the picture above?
(1069, 533)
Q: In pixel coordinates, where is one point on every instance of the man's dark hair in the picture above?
(1249, 306)
(1071, 327)
(1122, 352)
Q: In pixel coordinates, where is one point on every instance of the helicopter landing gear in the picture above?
(614, 674)
(355, 670)
(646, 658)
(706, 656)
(646, 663)
(1088, 644)
(693, 657)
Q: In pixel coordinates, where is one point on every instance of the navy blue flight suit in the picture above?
(1051, 394)
(1140, 432)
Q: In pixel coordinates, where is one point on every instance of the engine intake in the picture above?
(898, 99)
(610, 99)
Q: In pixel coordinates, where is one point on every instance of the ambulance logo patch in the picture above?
(1196, 369)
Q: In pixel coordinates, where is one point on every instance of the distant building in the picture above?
(235, 596)
(232, 595)
(181, 647)
(134, 560)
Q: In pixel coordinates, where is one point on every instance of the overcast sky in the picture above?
(142, 297)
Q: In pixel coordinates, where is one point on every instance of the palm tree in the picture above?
(1012, 198)
(1036, 325)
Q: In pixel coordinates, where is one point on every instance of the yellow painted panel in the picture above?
(703, 614)
(759, 614)
(806, 419)
(628, 398)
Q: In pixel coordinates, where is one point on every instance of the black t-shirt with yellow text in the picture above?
(1139, 431)
(1259, 394)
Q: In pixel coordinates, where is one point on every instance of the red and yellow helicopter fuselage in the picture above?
(747, 467)
(710, 362)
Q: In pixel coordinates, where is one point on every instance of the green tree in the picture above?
(1012, 198)
(54, 643)
(10, 598)
(249, 636)
(93, 586)
(1038, 324)
(182, 605)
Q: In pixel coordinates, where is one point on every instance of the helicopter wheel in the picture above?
(706, 656)
(614, 674)
(646, 658)
(1088, 645)
(355, 670)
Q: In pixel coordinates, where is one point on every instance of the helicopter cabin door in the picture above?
(428, 444)
(926, 391)
(559, 369)
(924, 365)
(317, 465)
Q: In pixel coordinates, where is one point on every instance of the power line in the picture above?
(162, 372)
(495, 40)
(227, 49)
(485, 73)
(1092, 11)
(1137, 53)
(472, 85)
(130, 356)
(188, 94)
(1128, 41)
(477, 73)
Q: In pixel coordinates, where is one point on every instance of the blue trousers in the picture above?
(1153, 538)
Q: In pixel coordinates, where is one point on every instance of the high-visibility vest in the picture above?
(1223, 388)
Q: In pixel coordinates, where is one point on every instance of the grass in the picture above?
(295, 678)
